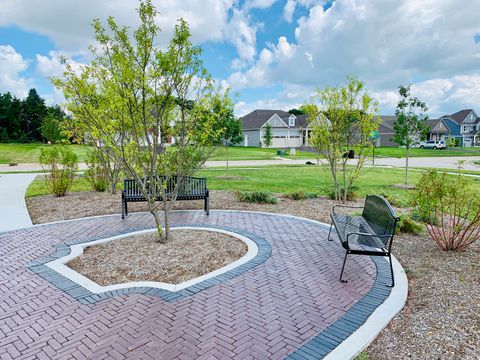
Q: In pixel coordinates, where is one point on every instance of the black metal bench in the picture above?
(191, 188)
(369, 234)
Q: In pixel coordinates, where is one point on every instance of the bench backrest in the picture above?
(189, 185)
(380, 216)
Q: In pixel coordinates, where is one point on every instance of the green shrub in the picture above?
(301, 195)
(60, 163)
(258, 197)
(407, 225)
(96, 174)
(451, 209)
(395, 200)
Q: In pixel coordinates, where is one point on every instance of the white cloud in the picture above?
(12, 64)
(48, 66)
(69, 25)
(259, 4)
(288, 10)
(385, 43)
(242, 34)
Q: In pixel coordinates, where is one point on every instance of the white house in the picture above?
(288, 130)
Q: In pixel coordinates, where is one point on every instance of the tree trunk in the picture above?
(226, 154)
(406, 166)
(166, 212)
(158, 222)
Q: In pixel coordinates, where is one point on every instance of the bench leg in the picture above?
(391, 272)
(331, 225)
(343, 268)
(206, 206)
(122, 203)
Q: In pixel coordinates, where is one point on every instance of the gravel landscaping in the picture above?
(187, 255)
(441, 319)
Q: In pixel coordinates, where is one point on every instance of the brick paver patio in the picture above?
(280, 307)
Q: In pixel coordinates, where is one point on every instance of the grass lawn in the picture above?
(283, 179)
(253, 153)
(397, 152)
(29, 153)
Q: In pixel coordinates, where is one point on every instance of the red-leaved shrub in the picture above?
(450, 208)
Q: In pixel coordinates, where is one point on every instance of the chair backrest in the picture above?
(380, 216)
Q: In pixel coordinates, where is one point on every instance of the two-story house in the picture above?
(463, 125)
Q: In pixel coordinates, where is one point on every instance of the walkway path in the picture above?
(287, 304)
(13, 211)
(423, 162)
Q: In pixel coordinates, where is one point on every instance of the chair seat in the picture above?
(347, 224)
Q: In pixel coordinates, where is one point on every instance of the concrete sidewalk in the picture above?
(13, 210)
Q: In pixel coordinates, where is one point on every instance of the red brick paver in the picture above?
(264, 313)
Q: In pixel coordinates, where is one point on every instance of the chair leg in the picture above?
(391, 272)
(331, 225)
(343, 268)
(206, 206)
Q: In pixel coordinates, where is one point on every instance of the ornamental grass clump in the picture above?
(450, 208)
(60, 164)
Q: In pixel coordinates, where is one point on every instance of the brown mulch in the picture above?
(187, 255)
(441, 319)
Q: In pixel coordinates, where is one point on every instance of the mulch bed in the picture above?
(188, 254)
(441, 319)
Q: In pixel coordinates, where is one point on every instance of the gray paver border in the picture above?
(85, 296)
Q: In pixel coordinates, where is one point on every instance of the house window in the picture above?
(291, 121)
(465, 128)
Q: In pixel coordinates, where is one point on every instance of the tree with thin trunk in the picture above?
(410, 126)
(231, 129)
(341, 120)
(137, 98)
(267, 137)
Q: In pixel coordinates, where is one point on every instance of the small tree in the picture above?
(51, 129)
(230, 128)
(135, 97)
(267, 136)
(410, 126)
(341, 119)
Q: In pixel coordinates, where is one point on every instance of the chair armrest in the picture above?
(346, 206)
(366, 234)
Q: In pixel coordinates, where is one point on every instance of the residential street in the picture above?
(449, 163)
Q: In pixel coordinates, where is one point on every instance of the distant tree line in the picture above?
(30, 119)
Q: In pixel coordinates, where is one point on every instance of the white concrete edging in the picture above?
(59, 265)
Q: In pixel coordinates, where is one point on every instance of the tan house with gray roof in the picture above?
(288, 130)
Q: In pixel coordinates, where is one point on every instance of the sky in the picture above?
(273, 54)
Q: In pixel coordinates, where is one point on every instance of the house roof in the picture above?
(257, 118)
(459, 116)
(386, 126)
(432, 123)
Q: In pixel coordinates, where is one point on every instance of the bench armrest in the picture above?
(346, 206)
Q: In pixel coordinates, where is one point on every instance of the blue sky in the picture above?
(272, 53)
